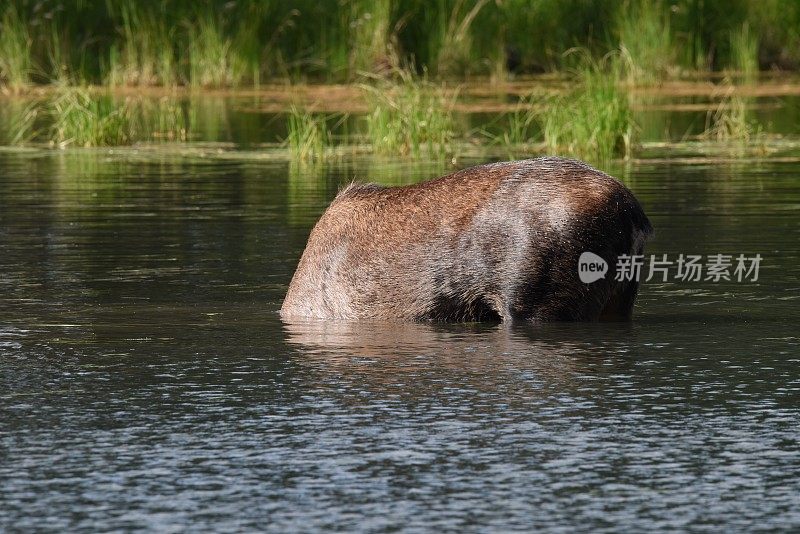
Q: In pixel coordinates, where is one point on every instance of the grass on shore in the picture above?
(163, 119)
(219, 43)
(731, 122)
(81, 120)
(406, 117)
(308, 136)
(520, 129)
(16, 63)
(413, 118)
(647, 50)
(213, 61)
(744, 52)
(455, 51)
(520, 123)
(75, 117)
(145, 54)
(593, 121)
(369, 47)
(18, 121)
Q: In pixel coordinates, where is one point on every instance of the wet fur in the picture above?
(493, 242)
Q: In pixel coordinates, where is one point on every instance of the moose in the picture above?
(495, 242)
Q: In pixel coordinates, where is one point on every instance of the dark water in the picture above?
(146, 381)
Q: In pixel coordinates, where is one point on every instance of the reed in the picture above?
(75, 117)
(520, 122)
(371, 29)
(18, 121)
(219, 43)
(730, 122)
(412, 118)
(645, 40)
(16, 63)
(145, 53)
(519, 129)
(593, 121)
(308, 137)
(775, 24)
(82, 120)
(163, 119)
(455, 55)
(57, 68)
(744, 52)
(212, 61)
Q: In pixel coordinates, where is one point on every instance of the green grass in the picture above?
(592, 121)
(212, 61)
(732, 129)
(163, 119)
(144, 54)
(455, 55)
(16, 63)
(645, 40)
(371, 31)
(75, 117)
(518, 129)
(219, 43)
(411, 118)
(520, 122)
(82, 120)
(18, 120)
(730, 122)
(207, 55)
(308, 137)
(57, 69)
(776, 23)
(744, 52)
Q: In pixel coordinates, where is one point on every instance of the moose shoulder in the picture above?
(492, 242)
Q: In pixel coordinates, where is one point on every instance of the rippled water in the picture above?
(146, 380)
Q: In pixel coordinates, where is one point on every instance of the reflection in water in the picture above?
(146, 381)
(553, 352)
(498, 420)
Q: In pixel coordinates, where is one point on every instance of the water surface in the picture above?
(146, 381)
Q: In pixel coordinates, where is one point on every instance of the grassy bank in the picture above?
(591, 115)
(409, 117)
(249, 42)
(591, 120)
(83, 66)
(76, 117)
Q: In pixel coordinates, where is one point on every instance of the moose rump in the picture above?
(493, 242)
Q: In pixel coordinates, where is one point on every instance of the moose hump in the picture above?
(494, 242)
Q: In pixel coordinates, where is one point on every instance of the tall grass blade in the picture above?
(412, 117)
(16, 63)
(308, 137)
(645, 40)
(593, 121)
(744, 52)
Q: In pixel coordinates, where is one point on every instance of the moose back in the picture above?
(493, 242)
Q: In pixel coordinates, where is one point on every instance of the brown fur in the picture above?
(497, 241)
